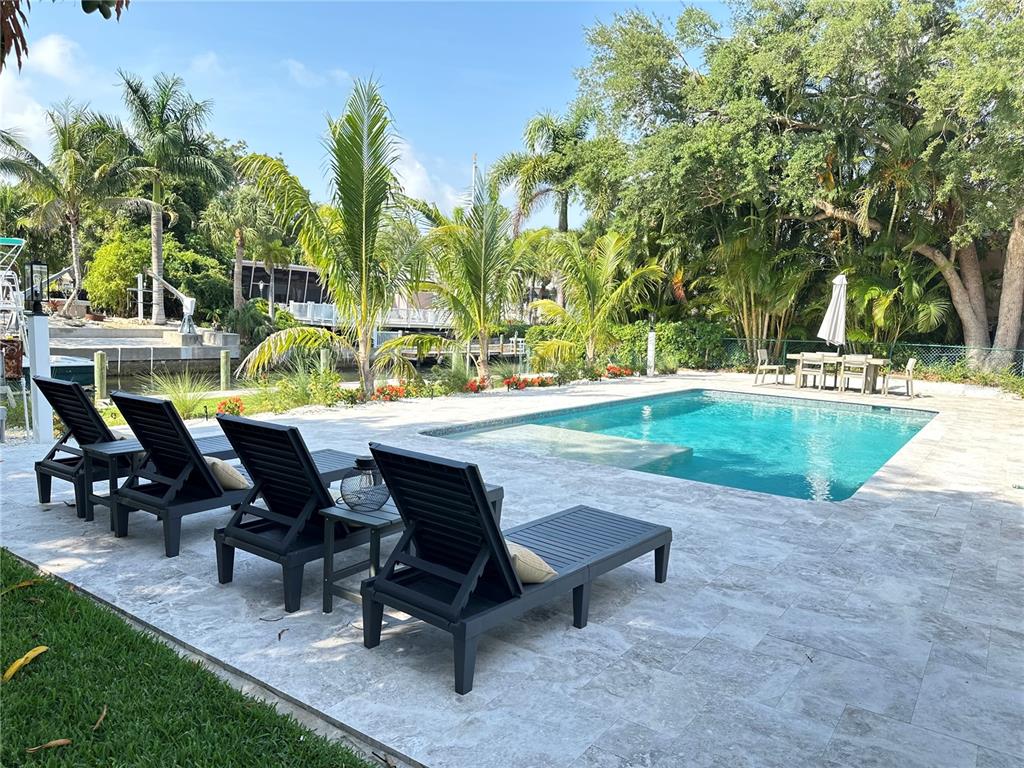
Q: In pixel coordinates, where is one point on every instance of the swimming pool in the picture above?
(806, 449)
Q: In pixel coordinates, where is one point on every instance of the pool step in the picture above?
(573, 444)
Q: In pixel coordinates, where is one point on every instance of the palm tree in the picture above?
(600, 289)
(239, 218)
(81, 172)
(168, 143)
(757, 281)
(365, 253)
(477, 270)
(546, 169)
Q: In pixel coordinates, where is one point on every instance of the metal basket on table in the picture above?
(363, 489)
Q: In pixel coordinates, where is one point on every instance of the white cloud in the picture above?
(208, 64)
(303, 75)
(340, 76)
(54, 56)
(418, 182)
(21, 113)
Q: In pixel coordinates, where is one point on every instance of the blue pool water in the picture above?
(787, 446)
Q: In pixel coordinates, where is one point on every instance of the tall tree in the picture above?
(545, 171)
(81, 172)
(240, 219)
(167, 141)
(363, 250)
(601, 287)
(867, 122)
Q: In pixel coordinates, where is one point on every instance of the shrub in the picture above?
(350, 396)
(389, 392)
(325, 386)
(185, 390)
(617, 371)
(451, 376)
(475, 385)
(693, 343)
(113, 269)
(232, 406)
(202, 277)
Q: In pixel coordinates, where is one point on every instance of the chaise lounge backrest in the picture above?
(451, 533)
(280, 466)
(169, 446)
(75, 410)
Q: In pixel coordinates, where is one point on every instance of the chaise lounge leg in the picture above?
(225, 562)
(172, 535)
(373, 621)
(465, 661)
(44, 483)
(580, 605)
(292, 587)
(661, 564)
(82, 509)
(118, 519)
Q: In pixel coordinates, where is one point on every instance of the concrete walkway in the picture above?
(886, 630)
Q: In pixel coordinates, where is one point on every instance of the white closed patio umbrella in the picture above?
(833, 327)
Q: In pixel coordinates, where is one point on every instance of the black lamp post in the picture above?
(37, 280)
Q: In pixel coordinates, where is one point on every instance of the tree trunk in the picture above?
(156, 222)
(483, 362)
(970, 273)
(239, 255)
(76, 267)
(364, 360)
(1011, 297)
(976, 335)
(563, 212)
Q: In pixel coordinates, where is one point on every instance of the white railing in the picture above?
(314, 313)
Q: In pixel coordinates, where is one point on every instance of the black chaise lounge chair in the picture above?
(452, 568)
(83, 424)
(286, 528)
(172, 479)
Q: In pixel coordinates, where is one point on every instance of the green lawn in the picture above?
(161, 709)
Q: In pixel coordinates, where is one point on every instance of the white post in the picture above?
(140, 285)
(38, 327)
(651, 338)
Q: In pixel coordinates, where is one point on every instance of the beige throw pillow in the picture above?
(230, 479)
(530, 567)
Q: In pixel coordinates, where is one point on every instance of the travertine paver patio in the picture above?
(883, 630)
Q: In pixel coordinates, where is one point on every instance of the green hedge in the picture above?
(692, 343)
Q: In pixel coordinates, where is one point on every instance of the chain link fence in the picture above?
(739, 353)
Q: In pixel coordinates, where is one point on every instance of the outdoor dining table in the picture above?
(871, 367)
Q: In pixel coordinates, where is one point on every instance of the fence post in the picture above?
(225, 369)
(140, 287)
(325, 359)
(99, 375)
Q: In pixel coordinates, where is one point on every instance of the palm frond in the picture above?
(277, 347)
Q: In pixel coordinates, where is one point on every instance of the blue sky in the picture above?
(459, 77)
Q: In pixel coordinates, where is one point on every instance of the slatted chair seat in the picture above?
(452, 568)
(83, 424)
(280, 519)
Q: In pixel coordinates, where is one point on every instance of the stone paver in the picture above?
(887, 629)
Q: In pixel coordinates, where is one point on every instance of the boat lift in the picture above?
(188, 304)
